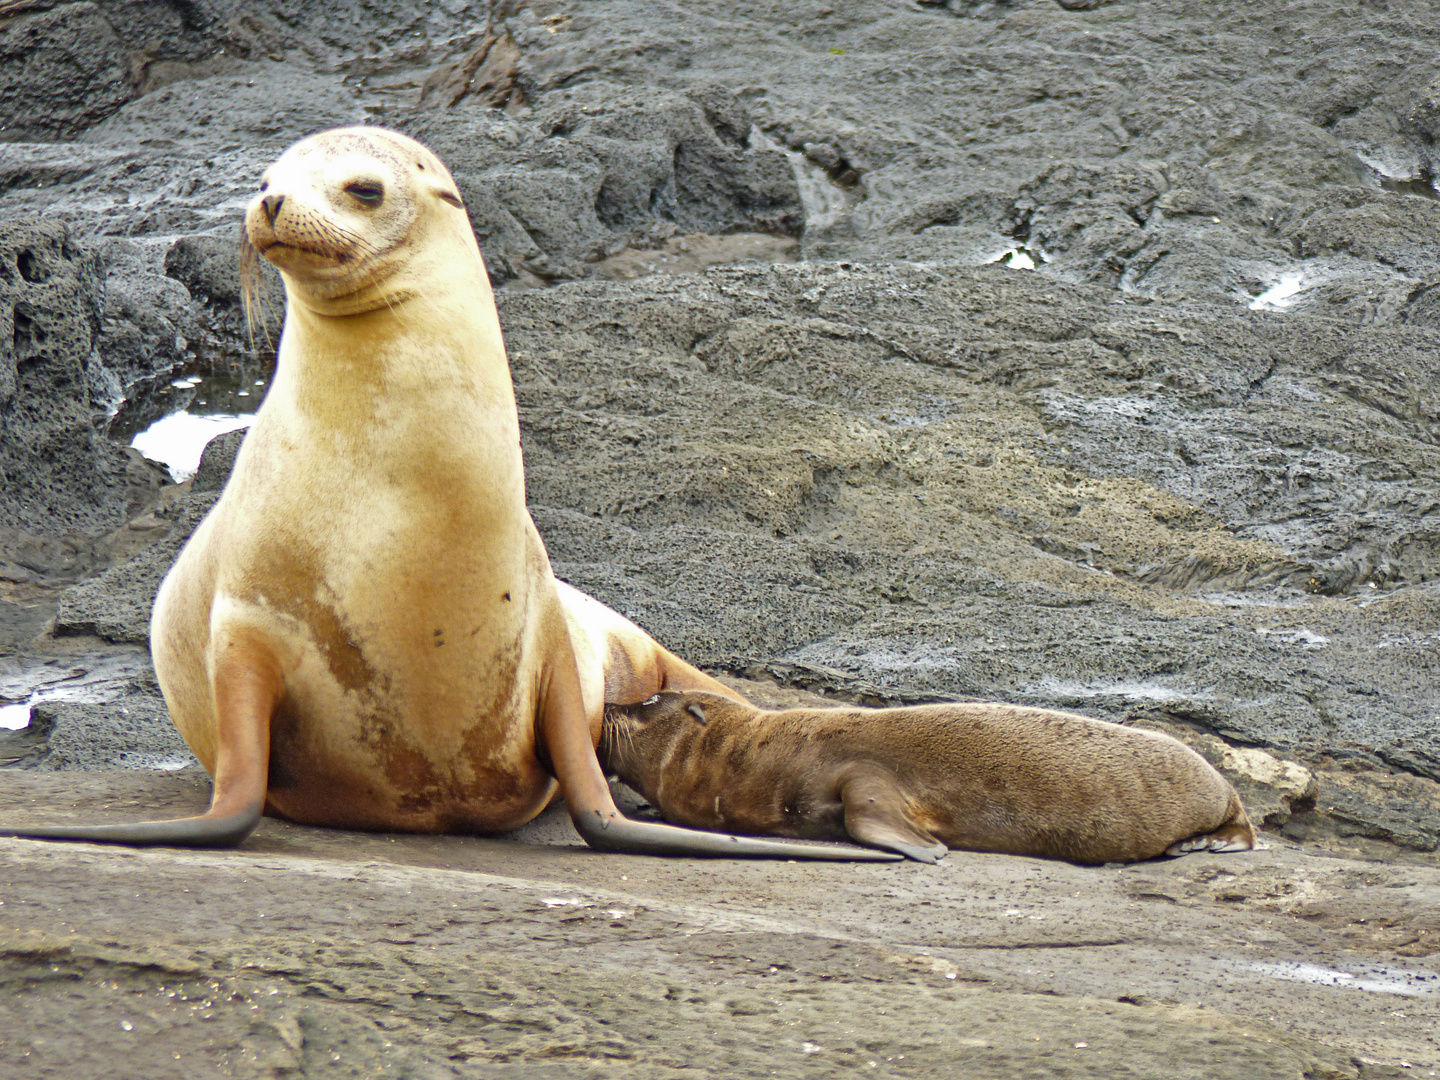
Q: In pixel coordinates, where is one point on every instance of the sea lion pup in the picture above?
(979, 777)
(365, 632)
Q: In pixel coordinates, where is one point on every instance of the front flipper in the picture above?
(592, 808)
(610, 831)
(875, 813)
(205, 830)
(248, 686)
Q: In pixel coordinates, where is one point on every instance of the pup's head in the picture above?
(635, 737)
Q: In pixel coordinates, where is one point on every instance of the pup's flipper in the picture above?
(877, 813)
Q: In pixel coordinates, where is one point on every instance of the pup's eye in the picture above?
(651, 700)
(365, 192)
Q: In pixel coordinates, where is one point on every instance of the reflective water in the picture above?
(826, 203)
(1375, 978)
(1019, 258)
(177, 440)
(15, 717)
(171, 423)
(1131, 690)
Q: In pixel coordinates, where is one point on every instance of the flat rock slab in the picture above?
(326, 953)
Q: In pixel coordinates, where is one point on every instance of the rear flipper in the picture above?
(248, 687)
(1237, 834)
(876, 813)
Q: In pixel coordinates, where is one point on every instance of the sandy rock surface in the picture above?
(790, 400)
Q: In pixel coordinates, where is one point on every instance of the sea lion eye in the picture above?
(366, 192)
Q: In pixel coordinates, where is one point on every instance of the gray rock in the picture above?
(149, 318)
(57, 472)
(61, 71)
(216, 461)
(115, 604)
(133, 732)
(603, 166)
(208, 266)
(1371, 803)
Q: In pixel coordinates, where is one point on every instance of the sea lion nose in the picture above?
(271, 205)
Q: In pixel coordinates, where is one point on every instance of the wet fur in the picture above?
(916, 780)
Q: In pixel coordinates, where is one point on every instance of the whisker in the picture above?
(251, 296)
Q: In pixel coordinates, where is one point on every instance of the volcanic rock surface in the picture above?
(791, 399)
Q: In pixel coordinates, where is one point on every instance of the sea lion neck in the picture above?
(411, 362)
(368, 298)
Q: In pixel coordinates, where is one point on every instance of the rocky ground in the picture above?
(791, 400)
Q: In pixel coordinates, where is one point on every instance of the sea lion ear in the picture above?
(442, 187)
(697, 712)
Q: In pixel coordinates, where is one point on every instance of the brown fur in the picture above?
(980, 777)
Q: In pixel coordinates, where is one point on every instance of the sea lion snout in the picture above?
(316, 213)
(668, 705)
(634, 737)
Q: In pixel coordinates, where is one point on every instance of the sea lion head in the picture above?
(635, 734)
(357, 218)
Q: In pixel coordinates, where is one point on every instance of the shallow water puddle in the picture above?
(15, 717)
(83, 679)
(1374, 978)
(1130, 689)
(1303, 637)
(1401, 171)
(193, 409)
(825, 202)
(1019, 258)
(178, 440)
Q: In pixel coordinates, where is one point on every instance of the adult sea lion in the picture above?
(365, 631)
(979, 777)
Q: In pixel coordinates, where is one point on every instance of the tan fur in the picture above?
(368, 607)
(374, 530)
(365, 632)
(981, 777)
(621, 664)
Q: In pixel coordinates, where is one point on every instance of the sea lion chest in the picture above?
(384, 541)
